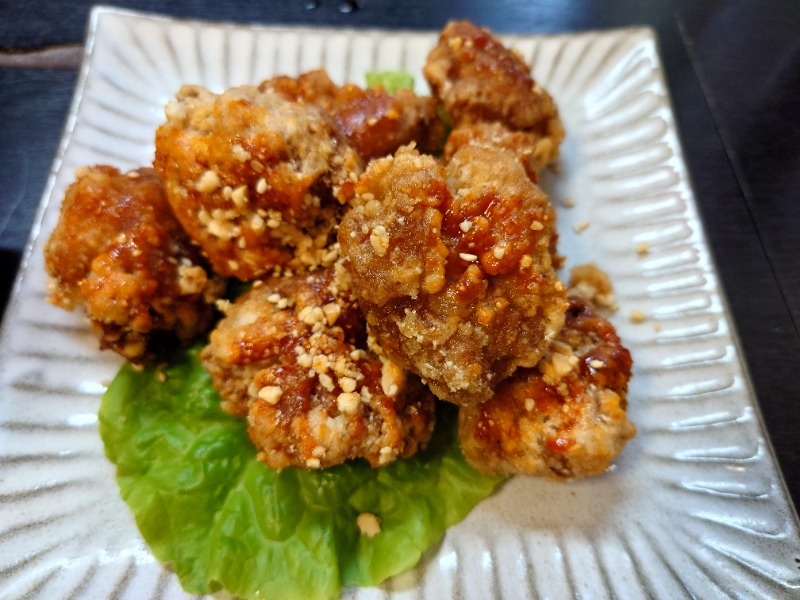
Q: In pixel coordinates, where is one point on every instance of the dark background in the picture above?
(733, 69)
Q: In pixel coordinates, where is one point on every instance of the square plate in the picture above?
(694, 506)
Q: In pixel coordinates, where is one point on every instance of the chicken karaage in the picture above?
(119, 252)
(254, 177)
(292, 355)
(452, 267)
(564, 418)
(375, 122)
(490, 97)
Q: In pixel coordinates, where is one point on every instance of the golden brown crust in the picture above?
(118, 251)
(253, 177)
(375, 122)
(564, 418)
(592, 284)
(478, 79)
(532, 149)
(291, 355)
(452, 267)
(490, 97)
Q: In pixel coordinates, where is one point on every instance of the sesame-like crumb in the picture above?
(637, 316)
(392, 377)
(208, 182)
(379, 239)
(348, 384)
(368, 524)
(331, 311)
(581, 227)
(348, 402)
(270, 393)
(593, 284)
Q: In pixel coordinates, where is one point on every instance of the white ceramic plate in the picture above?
(695, 506)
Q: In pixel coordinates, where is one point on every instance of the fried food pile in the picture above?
(388, 268)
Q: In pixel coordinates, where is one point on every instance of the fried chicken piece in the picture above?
(375, 122)
(119, 252)
(532, 149)
(253, 177)
(452, 267)
(564, 418)
(477, 79)
(490, 97)
(291, 354)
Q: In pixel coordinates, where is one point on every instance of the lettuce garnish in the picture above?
(221, 518)
(391, 81)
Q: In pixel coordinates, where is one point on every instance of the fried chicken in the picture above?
(119, 252)
(371, 287)
(564, 418)
(533, 150)
(291, 354)
(375, 122)
(452, 267)
(254, 177)
(490, 97)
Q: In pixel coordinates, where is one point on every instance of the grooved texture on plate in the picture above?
(695, 506)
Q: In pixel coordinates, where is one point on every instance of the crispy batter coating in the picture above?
(592, 284)
(118, 251)
(253, 177)
(478, 79)
(375, 122)
(292, 355)
(489, 95)
(564, 418)
(533, 150)
(452, 267)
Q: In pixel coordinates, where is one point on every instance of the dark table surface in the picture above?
(733, 69)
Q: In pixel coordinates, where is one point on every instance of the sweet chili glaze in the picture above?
(302, 394)
(292, 355)
(478, 79)
(452, 267)
(264, 325)
(254, 178)
(496, 228)
(491, 99)
(119, 252)
(563, 418)
(375, 122)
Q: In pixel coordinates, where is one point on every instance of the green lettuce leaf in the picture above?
(391, 81)
(221, 518)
